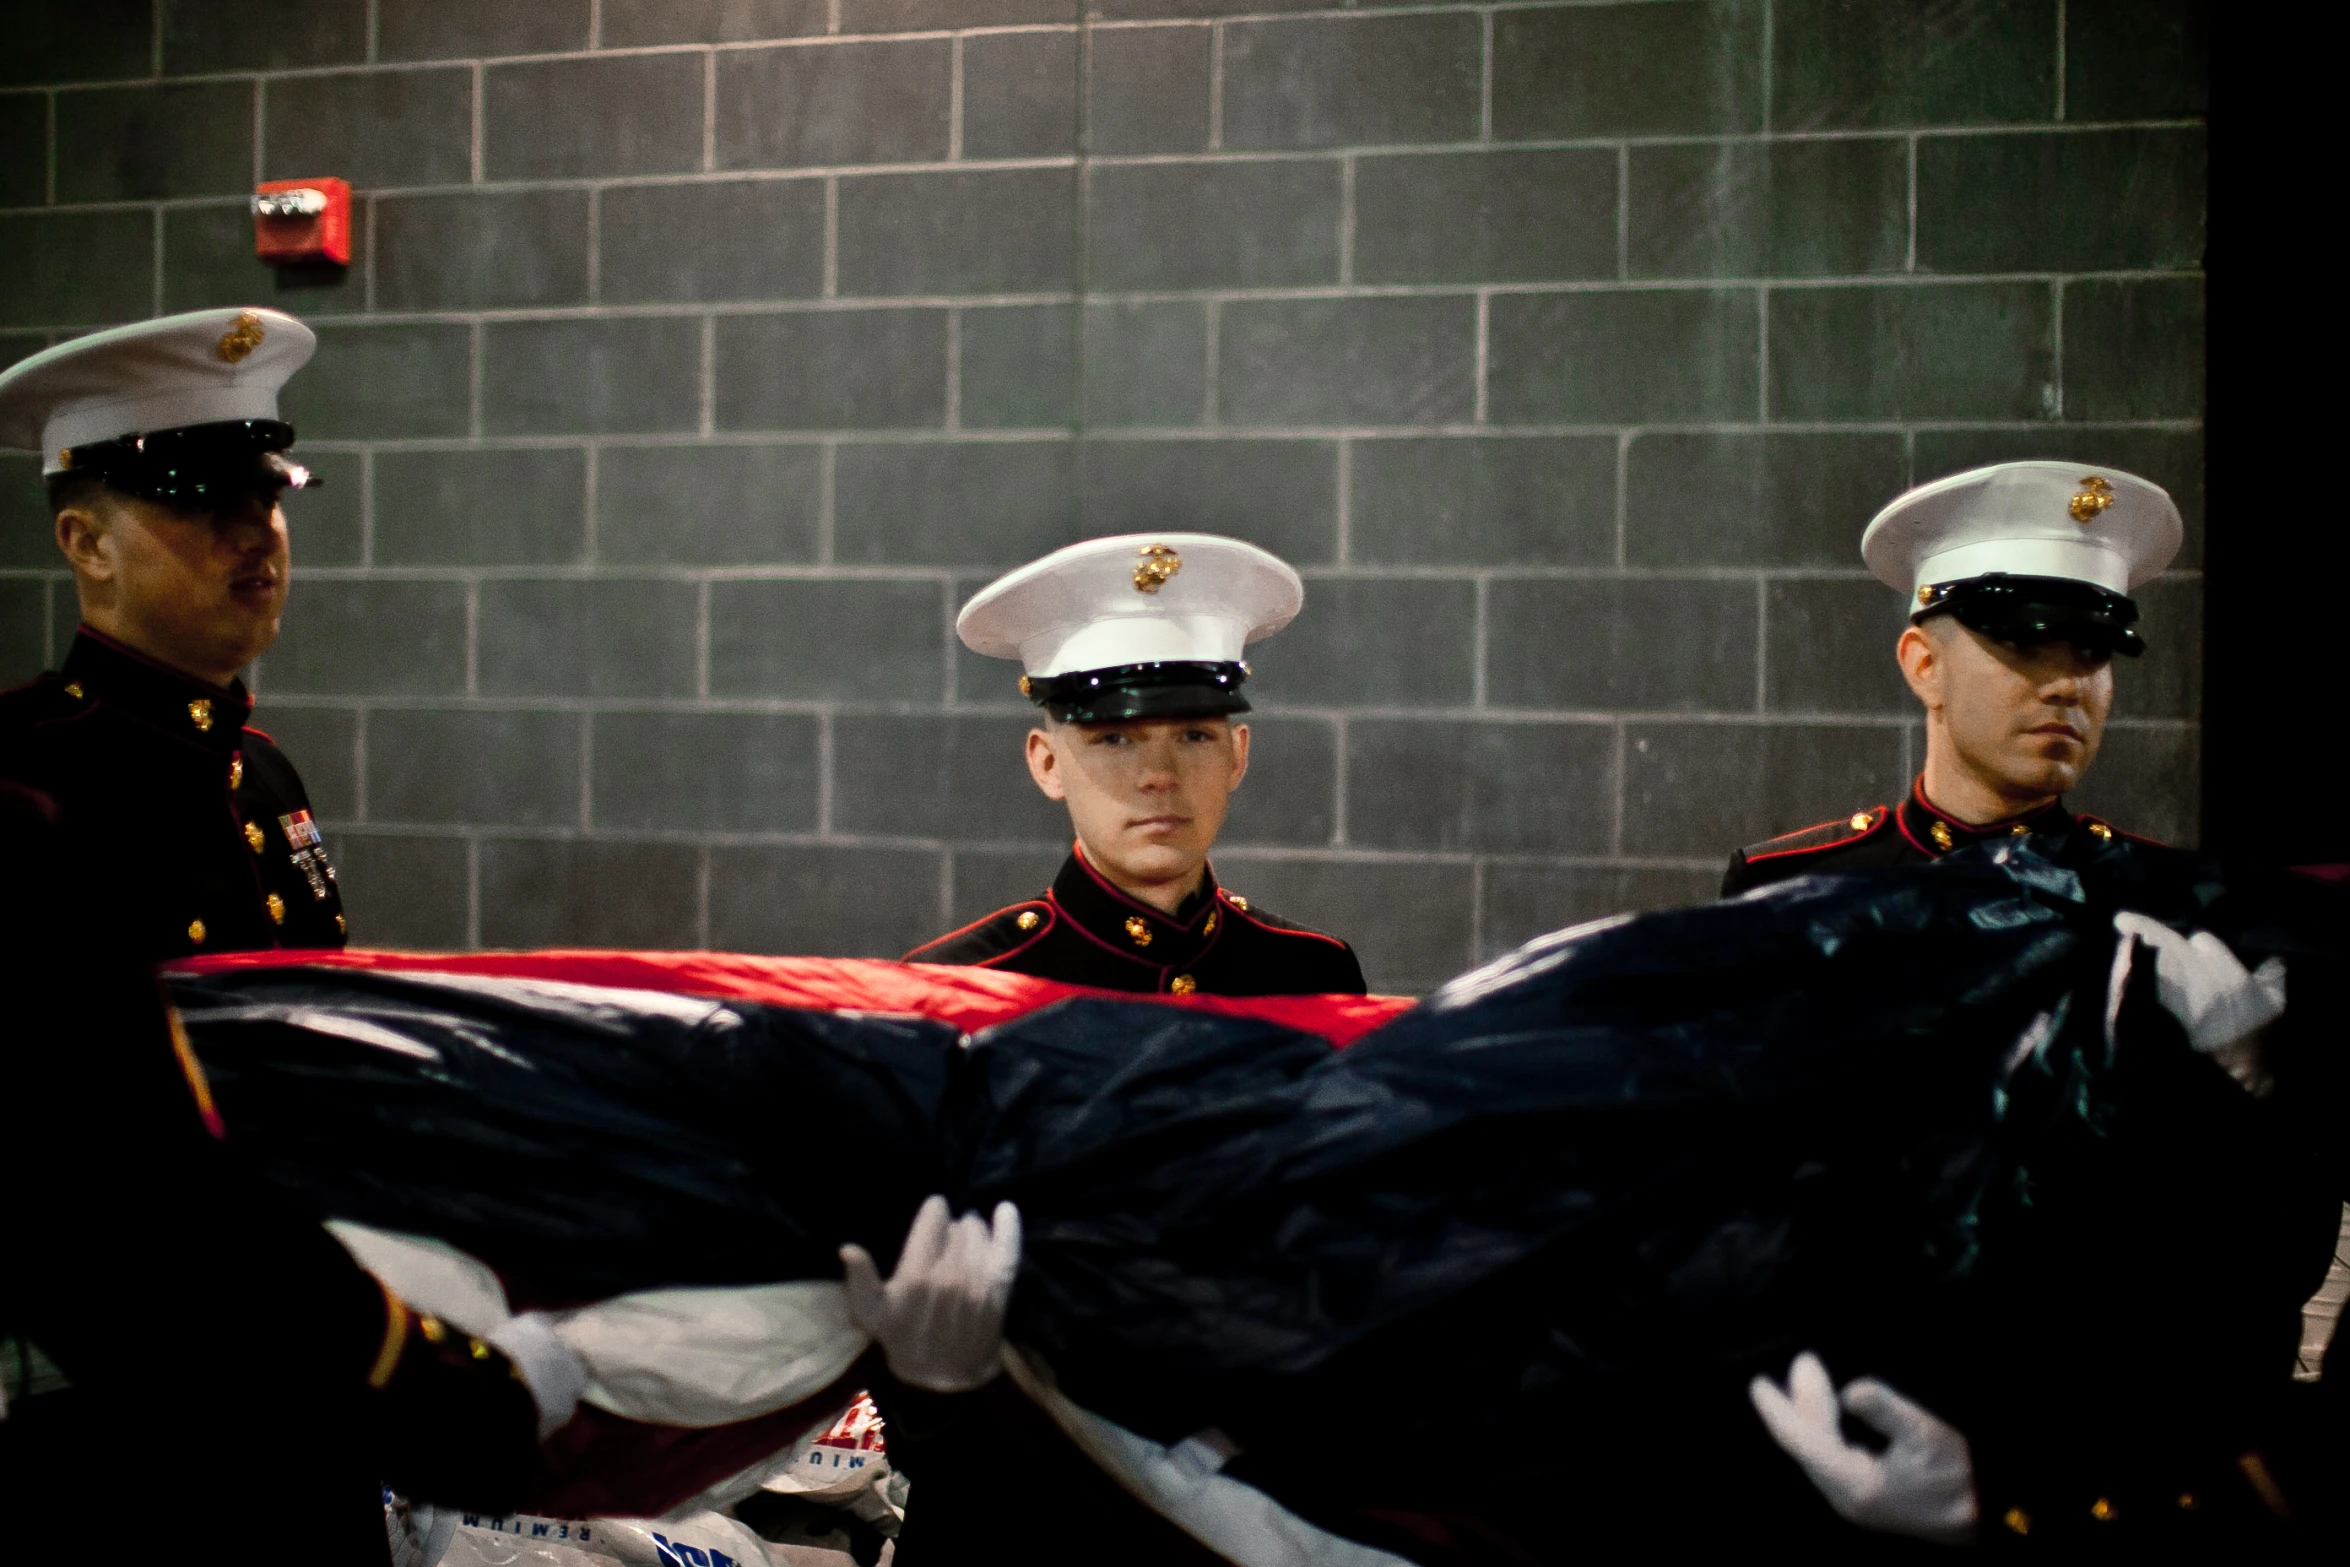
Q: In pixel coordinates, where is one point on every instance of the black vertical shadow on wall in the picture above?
(2276, 712)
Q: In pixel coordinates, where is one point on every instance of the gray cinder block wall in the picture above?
(701, 355)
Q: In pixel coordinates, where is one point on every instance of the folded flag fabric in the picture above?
(1908, 1119)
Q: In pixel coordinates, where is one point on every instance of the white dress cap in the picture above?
(204, 367)
(2026, 519)
(1140, 598)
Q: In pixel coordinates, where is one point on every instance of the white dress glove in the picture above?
(2205, 986)
(1922, 1485)
(940, 1318)
(555, 1376)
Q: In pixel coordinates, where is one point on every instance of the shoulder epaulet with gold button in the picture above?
(1026, 918)
(1266, 920)
(2105, 832)
(50, 695)
(988, 937)
(1826, 835)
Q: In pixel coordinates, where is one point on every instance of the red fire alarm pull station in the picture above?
(302, 220)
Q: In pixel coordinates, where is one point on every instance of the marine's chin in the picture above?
(250, 633)
(1153, 862)
(2050, 774)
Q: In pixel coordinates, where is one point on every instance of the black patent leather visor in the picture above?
(1173, 689)
(197, 466)
(2031, 611)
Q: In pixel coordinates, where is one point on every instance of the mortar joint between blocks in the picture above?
(710, 112)
(955, 99)
(1216, 87)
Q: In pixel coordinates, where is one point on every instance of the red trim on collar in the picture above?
(1966, 831)
(1930, 850)
(263, 733)
(1986, 830)
(1917, 794)
(1077, 848)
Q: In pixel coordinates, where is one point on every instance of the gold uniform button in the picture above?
(253, 835)
(277, 909)
(1238, 901)
(2100, 831)
(1860, 821)
(236, 770)
(200, 714)
(1138, 929)
(73, 688)
(2102, 1510)
(2018, 1520)
(1941, 836)
(196, 932)
(1029, 919)
(2019, 830)
(1183, 984)
(2186, 1501)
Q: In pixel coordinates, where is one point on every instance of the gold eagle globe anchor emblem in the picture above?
(243, 336)
(2094, 497)
(1158, 568)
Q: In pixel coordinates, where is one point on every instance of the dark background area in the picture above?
(2273, 725)
(701, 356)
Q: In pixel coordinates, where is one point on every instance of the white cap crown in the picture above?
(204, 367)
(1139, 598)
(2026, 519)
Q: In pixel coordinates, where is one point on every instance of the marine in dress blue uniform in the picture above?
(1084, 931)
(196, 1314)
(195, 825)
(1133, 637)
(1115, 633)
(1911, 832)
(2020, 577)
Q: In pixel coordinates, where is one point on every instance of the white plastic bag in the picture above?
(697, 1540)
(844, 1464)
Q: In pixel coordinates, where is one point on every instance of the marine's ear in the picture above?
(1044, 765)
(1239, 755)
(1920, 655)
(80, 530)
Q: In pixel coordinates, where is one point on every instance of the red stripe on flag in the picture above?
(969, 999)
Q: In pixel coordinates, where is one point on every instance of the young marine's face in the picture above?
(1147, 796)
(2023, 721)
(201, 591)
